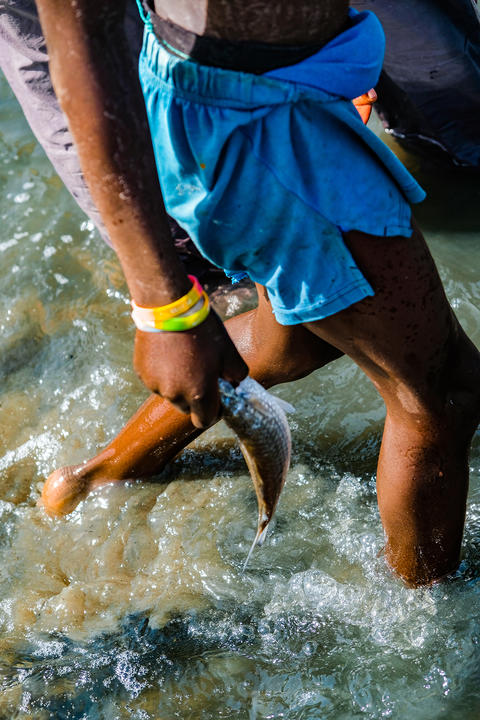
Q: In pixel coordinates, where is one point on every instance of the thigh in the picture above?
(404, 337)
(277, 353)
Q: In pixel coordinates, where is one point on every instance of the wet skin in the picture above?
(98, 89)
(409, 343)
(283, 22)
(405, 338)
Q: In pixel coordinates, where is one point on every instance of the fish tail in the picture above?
(261, 535)
(259, 540)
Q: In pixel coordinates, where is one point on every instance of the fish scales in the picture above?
(259, 421)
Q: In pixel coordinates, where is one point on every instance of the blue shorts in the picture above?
(266, 173)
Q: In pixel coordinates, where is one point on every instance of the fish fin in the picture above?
(253, 388)
(259, 540)
(286, 407)
(251, 465)
(282, 405)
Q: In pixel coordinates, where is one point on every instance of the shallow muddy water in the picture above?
(135, 606)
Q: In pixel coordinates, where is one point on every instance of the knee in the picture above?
(462, 408)
(462, 398)
(277, 353)
(289, 356)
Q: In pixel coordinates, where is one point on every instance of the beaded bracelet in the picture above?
(185, 321)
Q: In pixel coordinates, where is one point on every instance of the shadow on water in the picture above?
(223, 457)
(20, 353)
(123, 664)
(243, 662)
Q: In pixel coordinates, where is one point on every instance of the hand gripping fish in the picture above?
(259, 421)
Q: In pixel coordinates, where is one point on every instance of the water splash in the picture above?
(134, 606)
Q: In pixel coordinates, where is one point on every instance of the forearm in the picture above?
(100, 94)
(98, 90)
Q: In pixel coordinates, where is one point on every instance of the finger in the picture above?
(366, 99)
(235, 369)
(180, 403)
(205, 409)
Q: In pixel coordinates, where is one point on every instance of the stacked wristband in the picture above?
(185, 313)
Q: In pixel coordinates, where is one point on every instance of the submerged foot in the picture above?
(64, 489)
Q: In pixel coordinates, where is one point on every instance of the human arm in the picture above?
(98, 89)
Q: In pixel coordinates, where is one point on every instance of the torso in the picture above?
(288, 22)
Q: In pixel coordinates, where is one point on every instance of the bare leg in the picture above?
(409, 343)
(157, 432)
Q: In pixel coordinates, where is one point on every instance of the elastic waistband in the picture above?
(206, 84)
(248, 57)
(345, 67)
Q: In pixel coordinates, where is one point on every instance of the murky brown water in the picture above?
(134, 606)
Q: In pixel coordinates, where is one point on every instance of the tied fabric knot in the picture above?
(347, 66)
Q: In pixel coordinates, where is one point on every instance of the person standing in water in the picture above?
(246, 94)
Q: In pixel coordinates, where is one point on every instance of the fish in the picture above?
(259, 421)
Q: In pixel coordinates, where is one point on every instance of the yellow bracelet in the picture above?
(178, 323)
(155, 315)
